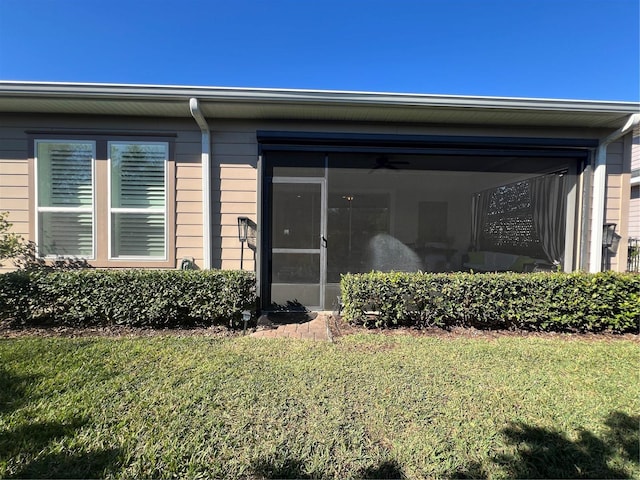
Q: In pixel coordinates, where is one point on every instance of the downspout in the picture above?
(196, 113)
(599, 192)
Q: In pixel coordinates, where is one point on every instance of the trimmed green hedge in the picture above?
(577, 302)
(138, 298)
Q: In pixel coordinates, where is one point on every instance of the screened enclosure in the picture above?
(327, 214)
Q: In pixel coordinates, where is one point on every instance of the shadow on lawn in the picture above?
(540, 453)
(295, 469)
(545, 453)
(91, 464)
(13, 390)
(26, 449)
(387, 470)
(287, 468)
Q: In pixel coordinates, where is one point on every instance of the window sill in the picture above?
(125, 263)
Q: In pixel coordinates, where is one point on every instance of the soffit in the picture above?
(416, 114)
(305, 105)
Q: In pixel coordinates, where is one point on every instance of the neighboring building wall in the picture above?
(634, 204)
(634, 212)
(15, 165)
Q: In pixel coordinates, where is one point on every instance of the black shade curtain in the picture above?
(534, 227)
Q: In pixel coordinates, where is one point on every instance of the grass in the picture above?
(370, 406)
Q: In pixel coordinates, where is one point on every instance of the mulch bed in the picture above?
(339, 328)
(12, 331)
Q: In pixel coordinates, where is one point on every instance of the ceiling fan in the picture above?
(387, 163)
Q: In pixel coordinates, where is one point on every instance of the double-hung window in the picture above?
(138, 200)
(65, 198)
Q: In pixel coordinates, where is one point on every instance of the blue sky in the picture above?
(586, 49)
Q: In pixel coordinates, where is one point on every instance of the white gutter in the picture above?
(176, 93)
(194, 107)
(599, 192)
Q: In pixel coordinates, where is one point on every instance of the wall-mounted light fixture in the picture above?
(243, 232)
(608, 233)
(243, 228)
(608, 237)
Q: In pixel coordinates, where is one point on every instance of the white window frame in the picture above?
(111, 210)
(91, 209)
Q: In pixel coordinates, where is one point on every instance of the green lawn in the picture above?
(369, 406)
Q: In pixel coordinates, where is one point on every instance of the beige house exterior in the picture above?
(211, 155)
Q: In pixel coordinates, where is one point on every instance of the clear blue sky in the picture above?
(587, 49)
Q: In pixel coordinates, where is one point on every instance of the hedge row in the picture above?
(577, 302)
(138, 298)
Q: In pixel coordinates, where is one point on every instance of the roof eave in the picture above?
(292, 96)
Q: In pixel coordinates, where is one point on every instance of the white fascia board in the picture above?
(170, 92)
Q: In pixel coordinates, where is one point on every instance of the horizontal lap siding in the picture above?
(14, 182)
(188, 220)
(635, 150)
(233, 171)
(634, 203)
(14, 174)
(634, 212)
(234, 192)
(615, 203)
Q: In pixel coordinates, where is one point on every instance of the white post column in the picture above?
(597, 209)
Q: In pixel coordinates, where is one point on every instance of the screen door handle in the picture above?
(324, 241)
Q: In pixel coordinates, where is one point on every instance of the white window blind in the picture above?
(138, 200)
(65, 198)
